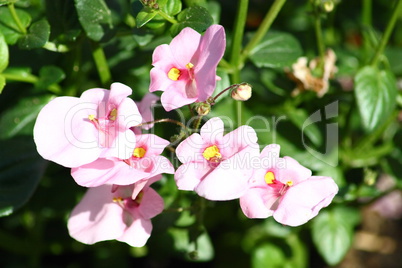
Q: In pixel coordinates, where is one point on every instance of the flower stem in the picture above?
(165, 120)
(235, 59)
(223, 91)
(167, 17)
(30, 78)
(387, 33)
(319, 38)
(264, 27)
(17, 20)
(101, 63)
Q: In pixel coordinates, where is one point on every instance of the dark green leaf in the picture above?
(20, 171)
(9, 28)
(92, 14)
(144, 16)
(276, 50)
(302, 120)
(195, 17)
(375, 93)
(333, 232)
(38, 35)
(3, 53)
(172, 7)
(20, 118)
(49, 75)
(266, 255)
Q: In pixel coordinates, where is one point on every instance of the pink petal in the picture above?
(238, 139)
(123, 145)
(153, 144)
(96, 218)
(253, 203)
(211, 50)
(160, 80)
(191, 149)
(189, 175)
(291, 170)
(128, 114)
(303, 201)
(271, 151)
(111, 171)
(176, 96)
(118, 93)
(151, 204)
(230, 179)
(146, 108)
(64, 134)
(184, 45)
(137, 234)
(212, 131)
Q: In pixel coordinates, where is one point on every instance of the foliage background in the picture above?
(65, 47)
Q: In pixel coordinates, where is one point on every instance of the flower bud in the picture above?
(202, 108)
(242, 92)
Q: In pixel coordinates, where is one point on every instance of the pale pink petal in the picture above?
(175, 97)
(146, 108)
(151, 204)
(211, 50)
(139, 185)
(212, 131)
(137, 234)
(64, 134)
(271, 151)
(153, 144)
(189, 175)
(303, 201)
(238, 139)
(191, 149)
(123, 145)
(111, 171)
(291, 170)
(159, 79)
(96, 218)
(128, 114)
(161, 165)
(253, 205)
(118, 93)
(230, 179)
(163, 58)
(184, 45)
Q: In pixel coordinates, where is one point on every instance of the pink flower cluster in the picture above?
(99, 137)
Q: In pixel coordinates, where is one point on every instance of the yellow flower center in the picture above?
(269, 177)
(189, 65)
(139, 152)
(174, 74)
(212, 153)
(289, 183)
(91, 117)
(113, 114)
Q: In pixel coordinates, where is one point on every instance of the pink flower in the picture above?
(145, 106)
(215, 166)
(75, 131)
(145, 162)
(112, 212)
(186, 69)
(284, 189)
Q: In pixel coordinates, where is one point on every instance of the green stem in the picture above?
(387, 33)
(264, 27)
(235, 58)
(14, 14)
(101, 64)
(30, 79)
(320, 40)
(366, 12)
(165, 120)
(197, 123)
(167, 17)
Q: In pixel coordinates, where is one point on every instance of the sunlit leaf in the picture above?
(3, 53)
(49, 75)
(276, 50)
(92, 14)
(8, 26)
(333, 232)
(195, 17)
(144, 16)
(375, 93)
(38, 35)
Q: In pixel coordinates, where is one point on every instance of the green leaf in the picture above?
(375, 93)
(332, 232)
(20, 119)
(268, 255)
(9, 28)
(302, 120)
(144, 16)
(6, 2)
(2, 83)
(276, 50)
(20, 171)
(49, 75)
(172, 7)
(3, 53)
(38, 35)
(195, 17)
(92, 14)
